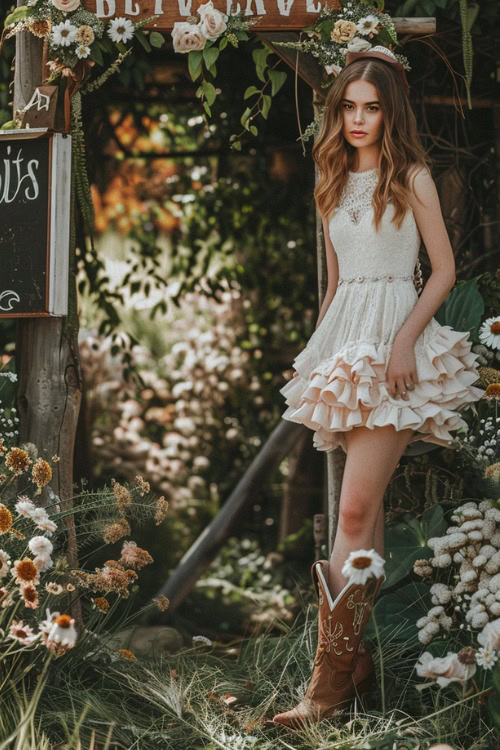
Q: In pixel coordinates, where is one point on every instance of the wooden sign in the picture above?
(35, 181)
(274, 14)
(40, 111)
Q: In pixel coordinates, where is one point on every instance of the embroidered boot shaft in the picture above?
(342, 669)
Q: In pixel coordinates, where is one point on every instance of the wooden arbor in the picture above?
(50, 382)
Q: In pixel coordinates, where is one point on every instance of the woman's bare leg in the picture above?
(372, 457)
(378, 536)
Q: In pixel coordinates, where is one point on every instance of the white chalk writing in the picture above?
(12, 177)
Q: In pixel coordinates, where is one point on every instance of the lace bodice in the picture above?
(356, 197)
(361, 250)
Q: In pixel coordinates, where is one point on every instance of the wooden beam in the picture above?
(308, 67)
(201, 553)
(272, 15)
(49, 390)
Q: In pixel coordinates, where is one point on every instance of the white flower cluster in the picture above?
(167, 430)
(484, 443)
(430, 625)
(8, 423)
(472, 547)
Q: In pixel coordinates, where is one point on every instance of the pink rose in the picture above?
(444, 669)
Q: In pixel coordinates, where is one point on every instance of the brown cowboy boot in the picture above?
(342, 669)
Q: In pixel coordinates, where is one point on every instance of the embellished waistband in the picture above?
(386, 277)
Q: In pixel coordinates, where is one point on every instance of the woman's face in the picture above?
(362, 112)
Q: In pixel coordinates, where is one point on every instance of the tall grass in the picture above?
(221, 698)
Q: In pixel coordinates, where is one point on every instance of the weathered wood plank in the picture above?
(49, 392)
(272, 14)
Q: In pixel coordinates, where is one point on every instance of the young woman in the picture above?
(379, 372)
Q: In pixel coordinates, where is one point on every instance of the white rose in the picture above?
(187, 37)
(213, 21)
(489, 637)
(358, 45)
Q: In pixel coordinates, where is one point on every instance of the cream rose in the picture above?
(187, 37)
(85, 35)
(358, 45)
(444, 669)
(489, 637)
(66, 5)
(333, 69)
(213, 21)
(343, 31)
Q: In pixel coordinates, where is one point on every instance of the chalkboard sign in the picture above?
(35, 182)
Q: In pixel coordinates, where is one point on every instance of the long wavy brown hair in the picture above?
(401, 150)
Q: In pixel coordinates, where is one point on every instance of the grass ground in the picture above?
(211, 698)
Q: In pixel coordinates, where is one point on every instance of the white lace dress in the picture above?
(341, 372)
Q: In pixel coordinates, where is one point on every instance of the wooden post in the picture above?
(335, 459)
(50, 385)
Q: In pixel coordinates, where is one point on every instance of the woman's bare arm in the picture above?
(332, 266)
(424, 201)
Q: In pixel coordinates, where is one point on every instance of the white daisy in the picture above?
(64, 34)
(489, 333)
(486, 658)
(62, 635)
(41, 546)
(23, 633)
(367, 25)
(4, 563)
(43, 563)
(24, 506)
(121, 29)
(42, 520)
(82, 51)
(362, 564)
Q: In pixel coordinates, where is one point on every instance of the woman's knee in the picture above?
(358, 510)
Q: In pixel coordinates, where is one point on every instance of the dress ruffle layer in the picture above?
(348, 389)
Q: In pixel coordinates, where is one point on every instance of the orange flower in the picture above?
(492, 391)
(30, 595)
(41, 474)
(126, 654)
(25, 571)
(161, 602)
(17, 460)
(5, 519)
(102, 603)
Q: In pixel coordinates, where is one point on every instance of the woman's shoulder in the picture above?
(421, 186)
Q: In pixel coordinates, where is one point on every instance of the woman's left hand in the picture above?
(401, 372)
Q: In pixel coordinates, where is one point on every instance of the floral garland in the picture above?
(355, 26)
(75, 38)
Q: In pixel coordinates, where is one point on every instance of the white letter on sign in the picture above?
(259, 7)
(128, 8)
(311, 8)
(285, 7)
(99, 8)
(185, 7)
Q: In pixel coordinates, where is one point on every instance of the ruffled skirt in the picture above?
(334, 392)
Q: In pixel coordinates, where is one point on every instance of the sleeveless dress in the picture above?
(341, 372)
